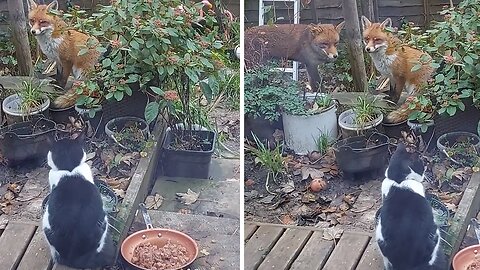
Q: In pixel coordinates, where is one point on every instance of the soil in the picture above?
(23, 188)
(343, 204)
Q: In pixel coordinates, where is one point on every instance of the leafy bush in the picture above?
(268, 91)
(454, 45)
(156, 46)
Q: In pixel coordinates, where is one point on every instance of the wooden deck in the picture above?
(23, 247)
(271, 246)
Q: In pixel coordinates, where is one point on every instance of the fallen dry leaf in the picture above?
(9, 195)
(311, 172)
(309, 197)
(188, 198)
(249, 182)
(154, 201)
(332, 233)
(287, 219)
(119, 192)
(185, 211)
(288, 187)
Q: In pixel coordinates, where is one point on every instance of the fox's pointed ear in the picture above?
(386, 23)
(53, 5)
(31, 4)
(315, 29)
(365, 23)
(339, 27)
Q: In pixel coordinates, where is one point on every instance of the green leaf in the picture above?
(478, 128)
(439, 78)
(207, 91)
(206, 63)
(468, 60)
(151, 112)
(461, 106)
(109, 95)
(118, 95)
(451, 110)
(135, 44)
(157, 90)
(106, 62)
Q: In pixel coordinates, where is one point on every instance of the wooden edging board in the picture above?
(140, 182)
(467, 208)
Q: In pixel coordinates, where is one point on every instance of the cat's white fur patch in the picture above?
(104, 236)
(46, 226)
(436, 249)
(55, 174)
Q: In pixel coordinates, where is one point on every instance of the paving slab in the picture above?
(219, 195)
(218, 238)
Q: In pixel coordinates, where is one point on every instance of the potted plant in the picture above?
(130, 133)
(361, 156)
(303, 125)
(460, 147)
(263, 91)
(31, 99)
(26, 141)
(364, 116)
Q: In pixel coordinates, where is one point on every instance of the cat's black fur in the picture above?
(406, 232)
(75, 212)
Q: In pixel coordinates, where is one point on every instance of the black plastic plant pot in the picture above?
(395, 130)
(94, 119)
(61, 116)
(262, 128)
(188, 163)
(362, 155)
(26, 141)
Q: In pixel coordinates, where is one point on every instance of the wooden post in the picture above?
(354, 45)
(313, 8)
(18, 24)
(368, 9)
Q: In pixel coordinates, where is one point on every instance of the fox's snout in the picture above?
(35, 32)
(369, 49)
(331, 53)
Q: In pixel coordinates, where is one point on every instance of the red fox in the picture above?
(395, 60)
(310, 44)
(62, 45)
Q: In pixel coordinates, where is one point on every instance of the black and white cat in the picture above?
(74, 222)
(406, 232)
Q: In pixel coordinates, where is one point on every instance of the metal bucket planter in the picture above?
(26, 141)
(11, 106)
(302, 131)
(349, 128)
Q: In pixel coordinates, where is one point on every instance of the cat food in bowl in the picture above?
(151, 256)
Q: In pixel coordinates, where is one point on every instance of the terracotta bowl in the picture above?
(465, 257)
(158, 237)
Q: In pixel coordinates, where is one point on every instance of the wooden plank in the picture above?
(260, 224)
(37, 256)
(13, 242)
(259, 245)
(62, 267)
(249, 230)
(314, 254)
(467, 208)
(371, 259)
(348, 252)
(286, 249)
